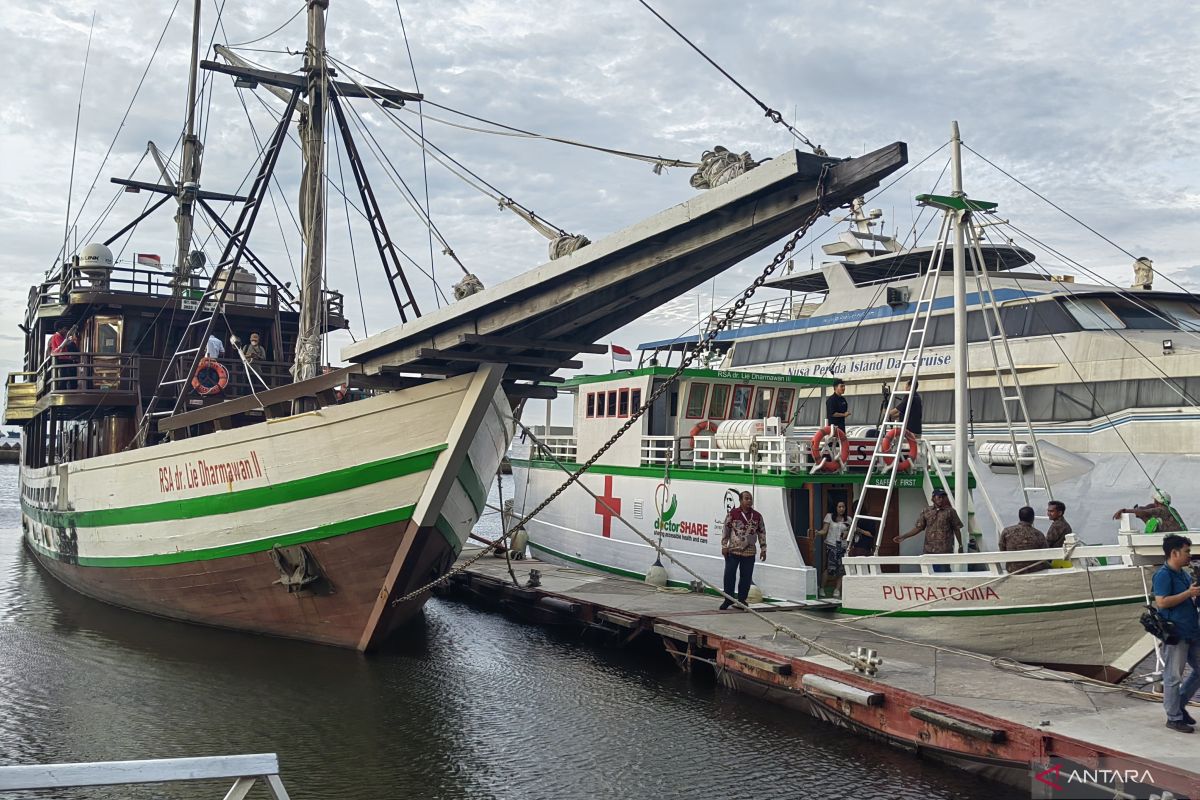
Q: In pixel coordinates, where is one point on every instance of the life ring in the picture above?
(827, 462)
(704, 426)
(910, 440)
(211, 377)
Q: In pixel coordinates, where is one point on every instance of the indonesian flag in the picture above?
(620, 353)
(148, 260)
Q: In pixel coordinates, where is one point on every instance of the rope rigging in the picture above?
(770, 113)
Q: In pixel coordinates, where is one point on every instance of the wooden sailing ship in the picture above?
(272, 496)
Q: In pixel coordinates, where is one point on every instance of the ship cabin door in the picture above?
(104, 340)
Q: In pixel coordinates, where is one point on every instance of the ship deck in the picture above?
(1003, 722)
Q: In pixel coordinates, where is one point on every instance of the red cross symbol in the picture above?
(608, 506)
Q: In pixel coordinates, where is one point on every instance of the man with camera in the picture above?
(1175, 594)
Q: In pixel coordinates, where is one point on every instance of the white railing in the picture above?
(767, 454)
(1131, 548)
(658, 450)
(246, 770)
(563, 448)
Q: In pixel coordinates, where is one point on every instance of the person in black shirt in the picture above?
(836, 406)
(914, 416)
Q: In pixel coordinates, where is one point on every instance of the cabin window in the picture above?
(612, 403)
(1185, 315)
(1092, 314)
(718, 404)
(798, 348)
(635, 400)
(591, 404)
(622, 402)
(762, 406)
(777, 350)
(697, 394)
(1049, 317)
(741, 402)
(783, 403)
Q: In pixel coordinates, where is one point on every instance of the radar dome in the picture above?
(95, 256)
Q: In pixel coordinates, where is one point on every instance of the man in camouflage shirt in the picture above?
(1059, 527)
(1158, 517)
(1023, 536)
(942, 528)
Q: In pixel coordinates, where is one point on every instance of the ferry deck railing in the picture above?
(244, 770)
(154, 283)
(563, 448)
(89, 372)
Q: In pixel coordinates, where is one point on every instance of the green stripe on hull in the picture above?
(447, 531)
(247, 499)
(244, 548)
(468, 478)
(735, 476)
(991, 612)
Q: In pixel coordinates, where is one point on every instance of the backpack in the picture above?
(1158, 626)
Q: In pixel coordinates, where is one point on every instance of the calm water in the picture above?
(471, 706)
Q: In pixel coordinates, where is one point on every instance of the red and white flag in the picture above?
(619, 353)
(147, 260)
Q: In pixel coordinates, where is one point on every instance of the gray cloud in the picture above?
(1095, 109)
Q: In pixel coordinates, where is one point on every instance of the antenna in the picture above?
(75, 144)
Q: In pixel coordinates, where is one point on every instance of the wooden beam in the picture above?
(269, 398)
(528, 390)
(519, 342)
(532, 375)
(427, 353)
(300, 82)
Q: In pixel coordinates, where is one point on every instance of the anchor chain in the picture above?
(697, 349)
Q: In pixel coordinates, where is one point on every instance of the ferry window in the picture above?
(1092, 314)
(937, 408)
(697, 394)
(762, 406)
(1154, 392)
(1139, 315)
(868, 339)
(1040, 402)
(718, 404)
(978, 326)
(612, 403)
(810, 409)
(635, 399)
(1072, 402)
(777, 350)
(821, 344)
(845, 341)
(591, 404)
(622, 402)
(798, 347)
(894, 335)
(1117, 395)
(741, 402)
(741, 354)
(783, 403)
(1049, 318)
(1015, 319)
(1185, 315)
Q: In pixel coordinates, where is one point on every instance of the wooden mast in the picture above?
(312, 198)
(189, 167)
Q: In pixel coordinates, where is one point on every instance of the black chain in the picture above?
(697, 349)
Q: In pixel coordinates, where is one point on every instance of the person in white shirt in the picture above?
(836, 533)
(215, 348)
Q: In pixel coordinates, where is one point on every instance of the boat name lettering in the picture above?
(687, 531)
(760, 377)
(861, 365)
(200, 473)
(927, 593)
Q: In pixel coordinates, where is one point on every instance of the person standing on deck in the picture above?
(1023, 536)
(254, 351)
(744, 528)
(1159, 517)
(1059, 527)
(911, 396)
(837, 408)
(1175, 596)
(942, 528)
(215, 348)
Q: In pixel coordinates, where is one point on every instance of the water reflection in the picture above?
(470, 705)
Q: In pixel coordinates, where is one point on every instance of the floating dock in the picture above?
(1024, 726)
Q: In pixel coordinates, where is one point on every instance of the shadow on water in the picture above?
(468, 704)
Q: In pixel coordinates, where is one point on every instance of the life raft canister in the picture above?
(211, 377)
(819, 441)
(704, 426)
(909, 440)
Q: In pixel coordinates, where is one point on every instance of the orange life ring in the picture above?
(211, 377)
(909, 439)
(818, 440)
(704, 426)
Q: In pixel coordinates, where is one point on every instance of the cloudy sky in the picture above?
(1093, 105)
